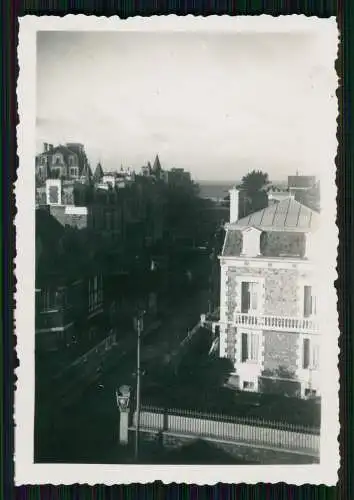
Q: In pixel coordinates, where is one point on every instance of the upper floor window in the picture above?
(309, 302)
(57, 159)
(71, 160)
(43, 160)
(95, 292)
(51, 300)
(249, 297)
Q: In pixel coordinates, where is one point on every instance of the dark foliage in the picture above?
(255, 198)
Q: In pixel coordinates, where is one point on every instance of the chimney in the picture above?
(50, 147)
(45, 147)
(234, 204)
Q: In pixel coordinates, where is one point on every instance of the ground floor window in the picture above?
(249, 347)
(310, 354)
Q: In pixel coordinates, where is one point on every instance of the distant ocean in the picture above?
(215, 190)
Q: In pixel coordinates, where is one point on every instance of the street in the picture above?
(87, 430)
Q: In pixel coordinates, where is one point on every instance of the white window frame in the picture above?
(314, 296)
(250, 333)
(314, 351)
(260, 294)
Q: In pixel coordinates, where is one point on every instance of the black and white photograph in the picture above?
(176, 250)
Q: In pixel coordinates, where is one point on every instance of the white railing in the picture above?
(253, 432)
(279, 323)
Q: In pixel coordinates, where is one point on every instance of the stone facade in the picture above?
(280, 292)
(281, 289)
(280, 352)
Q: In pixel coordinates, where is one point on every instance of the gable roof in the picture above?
(287, 215)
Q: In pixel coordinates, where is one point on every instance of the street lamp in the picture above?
(123, 399)
(138, 326)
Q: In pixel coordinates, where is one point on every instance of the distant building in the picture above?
(154, 171)
(117, 178)
(300, 183)
(177, 177)
(146, 170)
(67, 162)
(268, 294)
(306, 190)
(69, 292)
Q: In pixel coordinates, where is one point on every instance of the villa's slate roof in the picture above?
(287, 215)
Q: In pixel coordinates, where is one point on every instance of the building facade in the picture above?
(67, 161)
(268, 294)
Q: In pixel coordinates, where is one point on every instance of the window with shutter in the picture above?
(244, 347)
(306, 354)
(254, 296)
(245, 297)
(253, 354)
(307, 301)
(249, 347)
(249, 297)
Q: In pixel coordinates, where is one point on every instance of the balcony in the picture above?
(54, 320)
(276, 323)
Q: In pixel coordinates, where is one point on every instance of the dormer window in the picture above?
(251, 242)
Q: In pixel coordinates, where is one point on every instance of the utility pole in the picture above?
(139, 327)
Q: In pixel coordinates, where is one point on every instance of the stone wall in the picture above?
(290, 388)
(280, 350)
(242, 453)
(281, 289)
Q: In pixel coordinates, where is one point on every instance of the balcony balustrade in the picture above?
(277, 323)
(54, 319)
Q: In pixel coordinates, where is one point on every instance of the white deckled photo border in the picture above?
(28, 472)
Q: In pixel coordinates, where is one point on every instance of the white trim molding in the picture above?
(269, 262)
(260, 281)
(309, 377)
(249, 371)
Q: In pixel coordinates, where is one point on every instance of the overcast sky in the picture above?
(216, 104)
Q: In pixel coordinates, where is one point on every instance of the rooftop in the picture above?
(288, 215)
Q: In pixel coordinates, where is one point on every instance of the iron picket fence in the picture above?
(279, 435)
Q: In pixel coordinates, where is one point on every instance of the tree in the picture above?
(253, 186)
